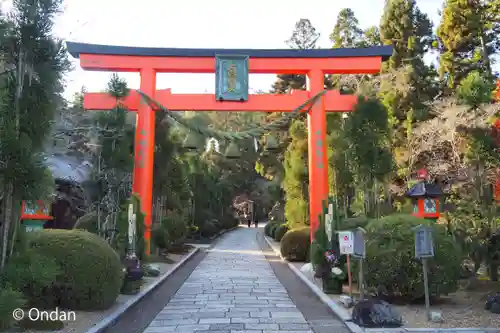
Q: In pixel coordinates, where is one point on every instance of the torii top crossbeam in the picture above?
(172, 60)
(232, 67)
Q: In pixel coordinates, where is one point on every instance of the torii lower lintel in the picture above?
(333, 102)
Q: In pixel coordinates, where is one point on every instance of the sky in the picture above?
(264, 24)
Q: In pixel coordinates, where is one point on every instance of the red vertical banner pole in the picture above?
(317, 150)
(144, 152)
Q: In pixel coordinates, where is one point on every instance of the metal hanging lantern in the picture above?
(212, 145)
(271, 143)
(232, 151)
(192, 141)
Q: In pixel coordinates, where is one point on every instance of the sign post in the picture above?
(424, 249)
(346, 245)
(359, 252)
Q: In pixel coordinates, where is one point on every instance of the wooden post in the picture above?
(361, 280)
(349, 274)
(426, 287)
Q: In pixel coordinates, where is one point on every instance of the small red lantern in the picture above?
(36, 210)
(425, 196)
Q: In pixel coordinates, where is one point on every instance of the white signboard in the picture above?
(346, 242)
(131, 227)
(328, 223)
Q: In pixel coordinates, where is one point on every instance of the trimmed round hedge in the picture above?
(269, 227)
(91, 271)
(279, 232)
(87, 222)
(295, 244)
(391, 267)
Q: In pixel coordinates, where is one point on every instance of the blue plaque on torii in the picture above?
(231, 78)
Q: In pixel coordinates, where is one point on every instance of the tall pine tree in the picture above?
(468, 36)
(346, 32)
(407, 83)
(30, 92)
(295, 172)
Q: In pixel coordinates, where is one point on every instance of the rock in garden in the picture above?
(495, 308)
(435, 317)
(346, 301)
(493, 303)
(153, 270)
(308, 271)
(376, 313)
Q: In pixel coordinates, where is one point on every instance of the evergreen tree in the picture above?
(34, 63)
(406, 82)
(295, 172)
(408, 30)
(296, 180)
(366, 133)
(468, 36)
(346, 32)
(114, 158)
(370, 37)
(304, 36)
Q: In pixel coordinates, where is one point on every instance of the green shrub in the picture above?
(273, 230)
(279, 232)
(159, 236)
(353, 223)
(295, 244)
(228, 221)
(91, 271)
(171, 232)
(475, 89)
(217, 225)
(208, 229)
(88, 222)
(33, 274)
(10, 300)
(390, 266)
(176, 227)
(269, 226)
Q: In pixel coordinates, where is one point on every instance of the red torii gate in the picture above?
(149, 61)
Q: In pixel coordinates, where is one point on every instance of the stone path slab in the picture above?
(233, 290)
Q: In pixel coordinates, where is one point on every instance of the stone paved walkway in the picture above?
(234, 289)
